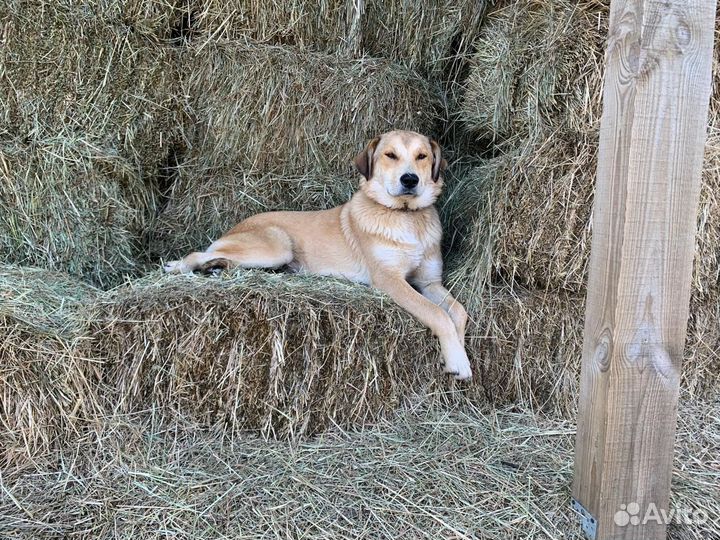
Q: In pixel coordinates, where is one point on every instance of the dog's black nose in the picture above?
(409, 180)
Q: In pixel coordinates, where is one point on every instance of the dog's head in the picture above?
(402, 170)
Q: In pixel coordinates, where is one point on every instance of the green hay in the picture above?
(88, 113)
(66, 74)
(537, 69)
(268, 109)
(428, 36)
(66, 204)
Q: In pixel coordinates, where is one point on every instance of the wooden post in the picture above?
(657, 88)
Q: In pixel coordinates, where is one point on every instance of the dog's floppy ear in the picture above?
(439, 164)
(364, 160)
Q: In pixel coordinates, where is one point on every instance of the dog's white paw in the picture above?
(458, 365)
(175, 267)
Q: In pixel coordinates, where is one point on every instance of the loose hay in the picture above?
(427, 474)
(537, 69)
(48, 393)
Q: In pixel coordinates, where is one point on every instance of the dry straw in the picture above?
(428, 473)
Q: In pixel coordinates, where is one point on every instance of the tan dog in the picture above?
(387, 236)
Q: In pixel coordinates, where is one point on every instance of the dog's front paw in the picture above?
(458, 365)
(175, 267)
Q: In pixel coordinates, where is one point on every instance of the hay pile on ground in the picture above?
(48, 393)
(87, 114)
(429, 473)
(429, 36)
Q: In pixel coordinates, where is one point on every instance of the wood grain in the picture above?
(656, 94)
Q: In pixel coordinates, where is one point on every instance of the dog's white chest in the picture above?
(402, 248)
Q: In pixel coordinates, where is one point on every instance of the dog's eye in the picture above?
(422, 156)
(391, 155)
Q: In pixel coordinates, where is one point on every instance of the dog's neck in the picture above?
(366, 200)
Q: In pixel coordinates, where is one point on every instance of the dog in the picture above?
(387, 236)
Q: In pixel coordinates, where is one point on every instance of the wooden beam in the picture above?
(656, 94)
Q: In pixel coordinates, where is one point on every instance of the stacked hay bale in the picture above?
(284, 143)
(49, 393)
(430, 36)
(531, 111)
(87, 114)
(288, 355)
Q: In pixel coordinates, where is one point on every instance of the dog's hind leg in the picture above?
(269, 247)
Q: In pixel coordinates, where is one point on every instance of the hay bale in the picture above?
(536, 229)
(534, 224)
(519, 364)
(286, 143)
(268, 109)
(201, 208)
(66, 204)
(432, 36)
(66, 73)
(88, 113)
(537, 69)
(430, 472)
(526, 348)
(289, 356)
(49, 394)
(428, 36)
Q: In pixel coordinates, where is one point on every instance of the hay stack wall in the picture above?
(430, 36)
(533, 103)
(87, 115)
(276, 128)
(530, 113)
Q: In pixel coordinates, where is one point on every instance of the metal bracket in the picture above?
(587, 521)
